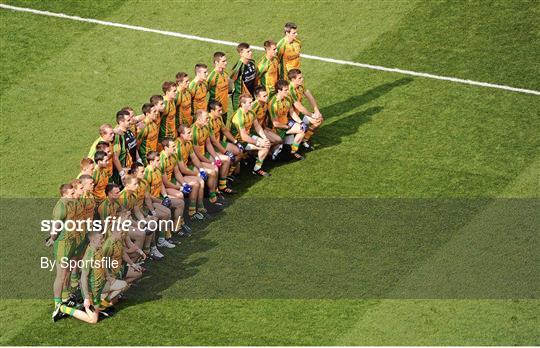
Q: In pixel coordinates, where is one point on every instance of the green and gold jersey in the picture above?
(216, 126)
(140, 193)
(114, 249)
(279, 109)
(147, 138)
(89, 204)
(200, 134)
(97, 271)
(123, 154)
(240, 120)
(153, 181)
(260, 110)
(268, 74)
(168, 119)
(289, 56)
(199, 95)
(218, 88)
(184, 149)
(64, 210)
(127, 199)
(296, 94)
(183, 109)
(101, 179)
(108, 208)
(167, 164)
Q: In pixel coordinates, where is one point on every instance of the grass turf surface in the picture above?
(386, 136)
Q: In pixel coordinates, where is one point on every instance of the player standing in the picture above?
(288, 50)
(218, 83)
(198, 88)
(243, 74)
(147, 136)
(183, 101)
(101, 176)
(268, 68)
(168, 115)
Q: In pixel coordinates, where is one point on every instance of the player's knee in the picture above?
(93, 319)
(122, 285)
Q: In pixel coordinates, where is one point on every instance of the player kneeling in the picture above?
(241, 125)
(286, 121)
(98, 287)
(194, 174)
(312, 120)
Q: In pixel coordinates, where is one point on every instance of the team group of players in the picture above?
(184, 149)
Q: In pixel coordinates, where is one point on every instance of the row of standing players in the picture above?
(182, 150)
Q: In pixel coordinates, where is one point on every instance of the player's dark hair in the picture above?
(155, 99)
(102, 146)
(199, 67)
(110, 187)
(269, 43)
(135, 167)
(100, 156)
(258, 90)
(146, 108)
(199, 113)
(293, 73)
(152, 156)
(182, 129)
(63, 188)
(128, 108)
(242, 46)
(121, 115)
(218, 56)
(166, 142)
(75, 182)
(167, 86)
(180, 77)
(281, 84)
(214, 104)
(289, 26)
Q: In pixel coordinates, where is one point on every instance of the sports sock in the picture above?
(232, 168)
(67, 310)
(65, 295)
(222, 183)
(74, 279)
(192, 208)
(200, 205)
(57, 300)
(105, 303)
(258, 164)
(212, 197)
(294, 147)
(308, 134)
(201, 208)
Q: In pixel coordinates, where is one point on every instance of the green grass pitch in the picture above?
(340, 249)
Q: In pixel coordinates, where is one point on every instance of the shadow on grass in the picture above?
(161, 275)
(353, 102)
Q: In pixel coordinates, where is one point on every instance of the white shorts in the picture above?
(251, 147)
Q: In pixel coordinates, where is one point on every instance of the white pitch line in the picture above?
(306, 56)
